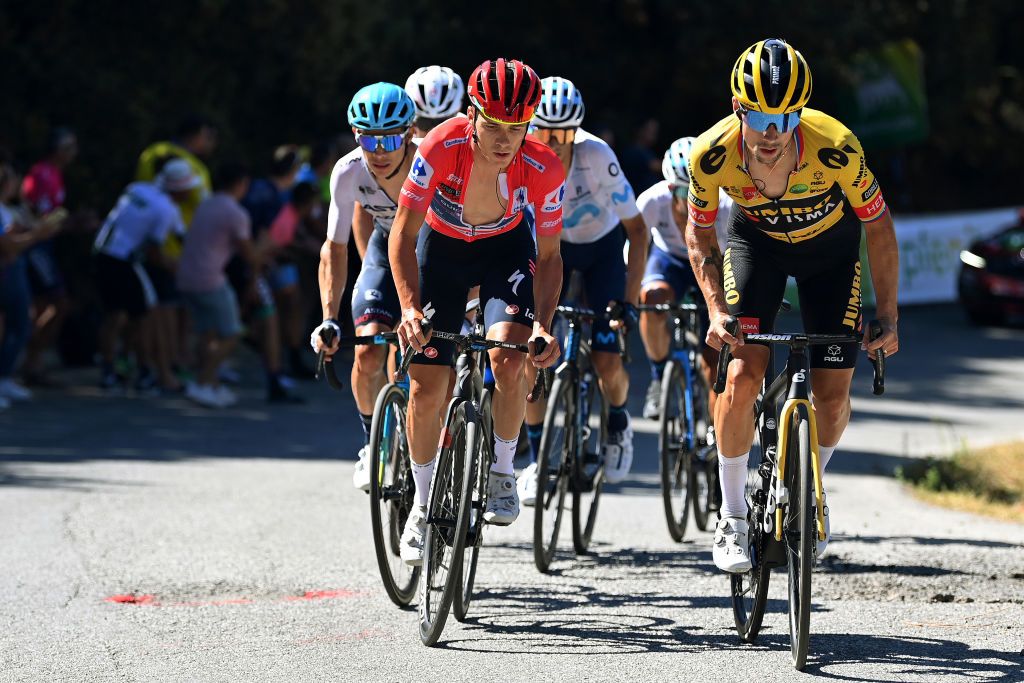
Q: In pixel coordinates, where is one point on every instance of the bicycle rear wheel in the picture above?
(677, 476)
(553, 472)
(443, 546)
(706, 495)
(800, 536)
(392, 492)
(480, 441)
(592, 426)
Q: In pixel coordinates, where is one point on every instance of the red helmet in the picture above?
(505, 90)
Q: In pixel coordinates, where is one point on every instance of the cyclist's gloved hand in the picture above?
(624, 315)
(329, 329)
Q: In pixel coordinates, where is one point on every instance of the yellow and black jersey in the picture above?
(830, 167)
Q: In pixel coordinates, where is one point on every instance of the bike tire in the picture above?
(392, 492)
(800, 531)
(443, 545)
(481, 445)
(592, 416)
(557, 444)
(705, 465)
(677, 476)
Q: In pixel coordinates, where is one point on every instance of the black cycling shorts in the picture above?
(828, 277)
(604, 280)
(449, 267)
(374, 299)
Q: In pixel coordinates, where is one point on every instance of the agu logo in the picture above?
(833, 354)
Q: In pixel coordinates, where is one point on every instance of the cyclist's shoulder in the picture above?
(446, 136)
(819, 131)
(712, 150)
(539, 160)
(656, 195)
(350, 165)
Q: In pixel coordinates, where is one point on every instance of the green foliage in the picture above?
(272, 71)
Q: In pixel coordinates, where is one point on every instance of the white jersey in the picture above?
(597, 194)
(351, 181)
(143, 214)
(656, 205)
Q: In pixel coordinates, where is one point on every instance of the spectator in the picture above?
(293, 246)
(43, 192)
(639, 162)
(220, 228)
(266, 196)
(18, 233)
(322, 157)
(195, 140)
(133, 233)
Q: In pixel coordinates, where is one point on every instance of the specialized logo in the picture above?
(454, 192)
(373, 295)
(511, 309)
(516, 278)
(430, 352)
(421, 172)
(428, 311)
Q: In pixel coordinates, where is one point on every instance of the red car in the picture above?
(992, 278)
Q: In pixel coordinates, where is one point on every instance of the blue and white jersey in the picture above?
(351, 182)
(597, 194)
(656, 205)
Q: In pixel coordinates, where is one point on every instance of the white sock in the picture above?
(422, 474)
(824, 455)
(732, 473)
(504, 454)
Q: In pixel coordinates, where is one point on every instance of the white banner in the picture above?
(930, 247)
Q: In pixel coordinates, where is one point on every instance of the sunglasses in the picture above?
(760, 121)
(680, 191)
(559, 135)
(387, 143)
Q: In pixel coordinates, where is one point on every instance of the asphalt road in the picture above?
(148, 539)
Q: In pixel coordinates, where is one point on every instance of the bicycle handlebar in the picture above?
(323, 367)
(878, 362)
(540, 385)
(732, 326)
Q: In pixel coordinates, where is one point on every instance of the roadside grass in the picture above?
(987, 481)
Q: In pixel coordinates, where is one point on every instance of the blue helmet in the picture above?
(381, 106)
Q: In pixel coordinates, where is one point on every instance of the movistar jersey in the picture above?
(597, 194)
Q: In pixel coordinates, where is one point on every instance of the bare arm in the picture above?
(405, 270)
(636, 232)
(547, 285)
(884, 258)
(362, 228)
(708, 267)
(332, 274)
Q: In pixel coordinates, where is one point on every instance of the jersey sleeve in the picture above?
(550, 187)
(706, 160)
(648, 206)
(613, 182)
(859, 184)
(343, 198)
(419, 186)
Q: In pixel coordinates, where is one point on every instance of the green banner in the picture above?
(883, 101)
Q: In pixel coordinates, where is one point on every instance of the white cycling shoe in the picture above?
(361, 473)
(730, 549)
(618, 455)
(526, 485)
(502, 499)
(410, 547)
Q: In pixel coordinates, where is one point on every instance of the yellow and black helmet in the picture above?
(772, 77)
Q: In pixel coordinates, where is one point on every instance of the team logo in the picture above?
(834, 350)
(373, 295)
(818, 175)
(750, 325)
(420, 172)
(798, 189)
(511, 309)
(430, 352)
(770, 424)
(520, 200)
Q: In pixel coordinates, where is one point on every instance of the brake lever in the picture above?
(878, 362)
(732, 326)
(540, 386)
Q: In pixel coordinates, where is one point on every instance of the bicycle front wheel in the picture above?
(480, 441)
(677, 476)
(591, 430)
(800, 536)
(442, 545)
(392, 492)
(553, 462)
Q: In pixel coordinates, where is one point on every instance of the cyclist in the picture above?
(365, 185)
(668, 274)
(600, 214)
(471, 183)
(437, 92)
(804, 190)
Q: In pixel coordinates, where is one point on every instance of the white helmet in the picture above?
(561, 104)
(674, 165)
(437, 92)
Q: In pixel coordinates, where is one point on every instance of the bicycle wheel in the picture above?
(392, 492)
(592, 421)
(749, 590)
(553, 472)
(677, 476)
(800, 536)
(442, 545)
(480, 440)
(706, 494)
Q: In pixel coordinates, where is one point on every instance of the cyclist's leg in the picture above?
(375, 309)
(656, 289)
